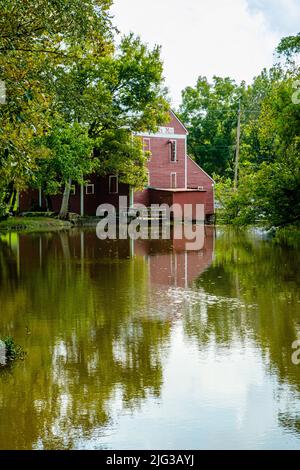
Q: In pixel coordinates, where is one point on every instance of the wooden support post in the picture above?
(82, 200)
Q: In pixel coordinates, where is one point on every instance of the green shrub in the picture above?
(13, 350)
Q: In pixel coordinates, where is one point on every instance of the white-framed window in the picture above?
(89, 189)
(113, 187)
(73, 190)
(173, 151)
(173, 180)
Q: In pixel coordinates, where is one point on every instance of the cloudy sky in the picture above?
(233, 38)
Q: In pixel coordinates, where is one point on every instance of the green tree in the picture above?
(36, 37)
(71, 160)
(269, 186)
(113, 96)
(289, 46)
(255, 150)
(210, 112)
(61, 65)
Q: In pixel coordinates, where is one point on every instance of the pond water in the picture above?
(143, 345)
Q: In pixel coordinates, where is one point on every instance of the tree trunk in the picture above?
(5, 201)
(9, 193)
(63, 214)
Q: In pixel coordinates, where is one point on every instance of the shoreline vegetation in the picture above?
(33, 223)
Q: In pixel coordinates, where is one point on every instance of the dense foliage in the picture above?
(269, 165)
(74, 98)
(210, 112)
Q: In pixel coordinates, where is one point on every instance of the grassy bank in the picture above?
(33, 224)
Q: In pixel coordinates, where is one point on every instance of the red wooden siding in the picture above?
(176, 124)
(29, 199)
(192, 198)
(196, 177)
(188, 174)
(142, 197)
(160, 165)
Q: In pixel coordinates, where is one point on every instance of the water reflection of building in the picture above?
(169, 263)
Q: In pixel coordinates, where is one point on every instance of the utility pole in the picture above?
(237, 153)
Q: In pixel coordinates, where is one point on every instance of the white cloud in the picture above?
(201, 37)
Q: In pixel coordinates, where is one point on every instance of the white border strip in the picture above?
(161, 136)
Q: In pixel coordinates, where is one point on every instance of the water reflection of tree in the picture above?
(265, 280)
(91, 339)
(290, 422)
(8, 264)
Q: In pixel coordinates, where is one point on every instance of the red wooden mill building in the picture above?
(174, 178)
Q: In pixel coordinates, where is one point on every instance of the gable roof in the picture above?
(201, 169)
(173, 116)
(178, 120)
